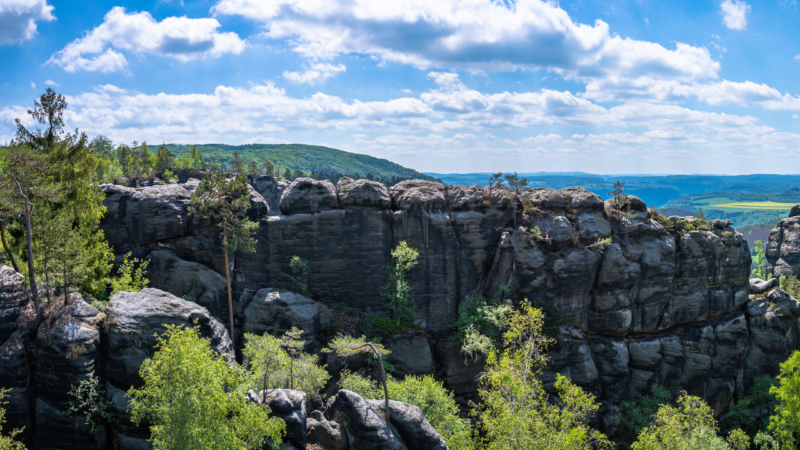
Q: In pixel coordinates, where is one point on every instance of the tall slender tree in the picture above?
(226, 202)
(517, 184)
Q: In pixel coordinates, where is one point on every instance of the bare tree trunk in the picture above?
(230, 297)
(383, 374)
(31, 275)
(5, 246)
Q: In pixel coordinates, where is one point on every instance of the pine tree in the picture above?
(226, 202)
(517, 184)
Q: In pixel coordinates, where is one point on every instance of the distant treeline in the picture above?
(123, 163)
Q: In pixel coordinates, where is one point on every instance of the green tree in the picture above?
(195, 398)
(300, 272)
(397, 291)
(144, 160)
(688, 426)
(478, 323)
(197, 157)
(88, 399)
(226, 202)
(125, 157)
(759, 262)
(7, 442)
(281, 362)
(494, 181)
(517, 184)
(164, 159)
(638, 414)
(269, 168)
(238, 163)
(346, 346)
(785, 421)
(516, 412)
(252, 168)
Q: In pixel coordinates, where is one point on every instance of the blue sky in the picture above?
(444, 86)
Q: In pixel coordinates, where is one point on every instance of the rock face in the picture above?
(641, 303)
(782, 251)
(276, 311)
(134, 318)
(289, 406)
(189, 280)
(366, 428)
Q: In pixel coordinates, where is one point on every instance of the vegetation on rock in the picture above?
(397, 291)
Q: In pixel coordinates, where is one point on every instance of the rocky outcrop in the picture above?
(134, 318)
(411, 425)
(308, 196)
(782, 250)
(366, 427)
(411, 352)
(13, 297)
(289, 406)
(624, 285)
(276, 311)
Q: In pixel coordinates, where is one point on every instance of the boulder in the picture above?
(411, 194)
(290, 406)
(276, 311)
(362, 194)
(411, 353)
(759, 286)
(15, 375)
(466, 198)
(366, 426)
(626, 203)
(324, 434)
(134, 318)
(412, 425)
(308, 196)
(139, 216)
(13, 298)
(189, 280)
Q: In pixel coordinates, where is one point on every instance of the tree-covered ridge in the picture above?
(307, 158)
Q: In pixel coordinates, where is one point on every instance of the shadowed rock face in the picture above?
(651, 298)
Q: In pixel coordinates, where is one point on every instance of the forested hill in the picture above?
(307, 158)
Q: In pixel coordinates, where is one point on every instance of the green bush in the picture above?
(130, 278)
(7, 442)
(791, 285)
(300, 272)
(785, 422)
(478, 324)
(638, 414)
(760, 398)
(397, 291)
(88, 400)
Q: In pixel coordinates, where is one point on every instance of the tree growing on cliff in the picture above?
(516, 411)
(517, 184)
(226, 202)
(346, 346)
(195, 398)
(300, 272)
(397, 291)
(494, 181)
(759, 262)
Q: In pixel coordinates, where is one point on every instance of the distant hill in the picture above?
(306, 158)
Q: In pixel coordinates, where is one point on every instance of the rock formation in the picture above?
(640, 304)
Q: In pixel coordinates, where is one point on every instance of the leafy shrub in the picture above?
(100, 305)
(477, 325)
(638, 414)
(759, 263)
(300, 272)
(130, 278)
(7, 442)
(791, 285)
(88, 400)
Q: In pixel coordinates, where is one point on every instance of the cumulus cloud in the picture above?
(33, 85)
(479, 36)
(734, 14)
(18, 19)
(51, 83)
(317, 74)
(542, 139)
(797, 57)
(175, 37)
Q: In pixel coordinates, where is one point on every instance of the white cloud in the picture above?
(465, 136)
(542, 139)
(33, 85)
(51, 83)
(734, 14)
(476, 35)
(795, 116)
(405, 91)
(317, 74)
(176, 37)
(18, 19)
(797, 57)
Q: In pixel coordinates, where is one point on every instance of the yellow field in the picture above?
(755, 205)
